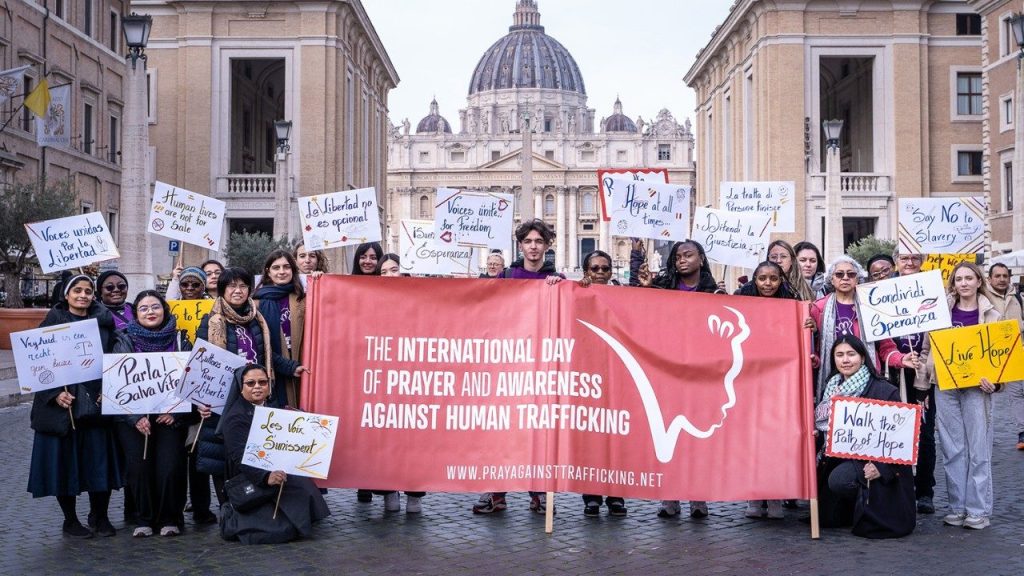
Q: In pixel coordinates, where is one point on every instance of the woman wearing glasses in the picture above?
(835, 315)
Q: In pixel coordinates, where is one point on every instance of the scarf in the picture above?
(223, 314)
(123, 315)
(827, 333)
(853, 386)
(159, 340)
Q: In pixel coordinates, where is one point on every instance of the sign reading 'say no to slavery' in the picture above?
(649, 209)
(942, 225)
(71, 242)
(340, 219)
(477, 219)
(183, 215)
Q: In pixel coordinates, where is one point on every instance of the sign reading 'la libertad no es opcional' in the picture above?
(339, 219)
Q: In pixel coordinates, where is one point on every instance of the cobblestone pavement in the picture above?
(447, 539)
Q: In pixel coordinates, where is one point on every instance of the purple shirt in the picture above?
(963, 318)
(516, 273)
(122, 317)
(246, 345)
(846, 317)
(682, 286)
(286, 322)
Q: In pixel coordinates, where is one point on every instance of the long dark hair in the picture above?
(163, 304)
(784, 291)
(277, 255)
(363, 249)
(801, 246)
(669, 276)
(858, 346)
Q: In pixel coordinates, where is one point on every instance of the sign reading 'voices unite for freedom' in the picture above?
(56, 356)
(476, 219)
(296, 443)
(867, 429)
(71, 242)
(903, 305)
(340, 219)
(649, 209)
(143, 383)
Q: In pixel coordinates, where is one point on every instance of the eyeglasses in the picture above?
(254, 383)
(237, 287)
(191, 285)
(600, 268)
(909, 259)
(849, 274)
(115, 287)
(148, 309)
(881, 274)
(212, 273)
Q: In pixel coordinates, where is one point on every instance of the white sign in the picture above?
(187, 216)
(866, 429)
(209, 373)
(775, 199)
(942, 225)
(297, 443)
(340, 219)
(71, 242)
(732, 239)
(477, 219)
(143, 383)
(55, 128)
(604, 179)
(57, 356)
(422, 254)
(903, 305)
(11, 82)
(648, 209)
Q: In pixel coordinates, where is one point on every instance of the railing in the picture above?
(247, 185)
(863, 183)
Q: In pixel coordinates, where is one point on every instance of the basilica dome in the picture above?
(433, 122)
(619, 122)
(526, 57)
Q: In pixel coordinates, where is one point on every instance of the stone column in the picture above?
(604, 241)
(560, 226)
(572, 223)
(282, 196)
(1018, 165)
(136, 249)
(538, 202)
(833, 200)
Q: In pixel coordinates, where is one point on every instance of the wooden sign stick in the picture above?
(815, 522)
(198, 431)
(71, 414)
(549, 514)
(1007, 363)
(145, 447)
(277, 504)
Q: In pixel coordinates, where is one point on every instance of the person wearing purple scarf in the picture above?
(114, 295)
(282, 302)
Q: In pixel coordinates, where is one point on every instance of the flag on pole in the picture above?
(10, 83)
(38, 101)
(54, 128)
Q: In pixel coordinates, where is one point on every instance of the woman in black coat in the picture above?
(876, 498)
(68, 460)
(300, 504)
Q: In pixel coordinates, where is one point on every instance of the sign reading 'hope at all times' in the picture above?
(649, 209)
(71, 242)
(867, 429)
(184, 215)
(903, 305)
(339, 219)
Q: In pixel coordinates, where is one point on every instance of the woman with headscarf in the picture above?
(68, 460)
(156, 466)
(282, 303)
(114, 295)
(300, 503)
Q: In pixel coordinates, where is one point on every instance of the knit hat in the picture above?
(74, 280)
(107, 274)
(194, 272)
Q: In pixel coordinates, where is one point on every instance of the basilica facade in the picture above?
(528, 81)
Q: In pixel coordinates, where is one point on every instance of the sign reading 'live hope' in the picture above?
(582, 393)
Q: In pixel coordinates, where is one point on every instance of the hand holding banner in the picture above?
(71, 242)
(423, 254)
(942, 225)
(143, 383)
(476, 219)
(208, 374)
(339, 219)
(963, 356)
(878, 430)
(296, 443)
(183, 215)
(776, 199)
(903, 305)
(649, 209)
(732, 239)
(56, 356)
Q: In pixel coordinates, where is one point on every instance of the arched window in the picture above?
(588, 204)
(549, 205)
(424, 207)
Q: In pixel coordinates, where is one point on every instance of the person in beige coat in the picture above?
(1009, 308)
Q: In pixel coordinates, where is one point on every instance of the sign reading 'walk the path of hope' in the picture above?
(942, 225)
(183, 215)
(732, 239)
(903, 305)
(296, 443)
(339, 219)
(71, 242)
(649, 209)
(867, 429)
(475, 219)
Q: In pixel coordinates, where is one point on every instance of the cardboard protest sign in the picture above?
(476, 219)
(878, 430)
(143, 383)
(184, 215)
(649, 209)
(71, 242)
(946, 262)
(642, 174)
(963, 356)
(57, 356)
(732, 239)
(903, 305)
(296, 443)
(189, 313)
(339, 219)
(777, 199)
(208, 375)
(422, 254)
(942, 225)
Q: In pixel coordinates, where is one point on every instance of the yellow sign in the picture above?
(963, 356)
(946, 263)
(189, 313)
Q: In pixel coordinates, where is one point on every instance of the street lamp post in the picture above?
(282, 194)
(136, 261)
(833, 191)
(1017, 193)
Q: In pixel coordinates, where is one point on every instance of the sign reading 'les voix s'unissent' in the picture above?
(296, 443)
(903, 305)
(184, 215)
(649, 209)
(477, 219)
(339, 219)
(71, 242)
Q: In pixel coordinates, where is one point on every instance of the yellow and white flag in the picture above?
(38, 101)
(54, 127)
(11, 82)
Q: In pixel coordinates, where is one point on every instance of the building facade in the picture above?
(905, 77)
(77, 43)
(528, 75)
(221, 73)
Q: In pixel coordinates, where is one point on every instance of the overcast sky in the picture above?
(637, 49)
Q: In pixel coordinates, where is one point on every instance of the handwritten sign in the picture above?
(183, 215)
(143, 383)
(903, 305)
(339, 219)
(946, 263)
(475, 219)
(942, 225)
(423, 254)
(296, 443)
(877, 430)
(71, 242)
(776, 199)
(963, 356)
(189, 313)
(649, 209)
(208, 375)
(57, 356)
(732, 239)
(641, 174)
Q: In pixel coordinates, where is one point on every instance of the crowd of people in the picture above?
(165, 462)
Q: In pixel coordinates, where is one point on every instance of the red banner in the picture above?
(475, 385)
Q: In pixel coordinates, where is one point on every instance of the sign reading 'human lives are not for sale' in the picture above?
(188, 216)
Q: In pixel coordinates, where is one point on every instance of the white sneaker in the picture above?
(775, 511)
(698, 509)
(976, 522)
(669, 509)
(142, 532)
(169, 531)
(413, 505)
(755, 509)
(954, 519)
(392, 502)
